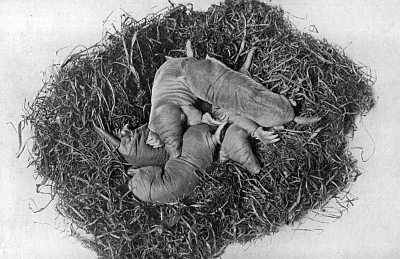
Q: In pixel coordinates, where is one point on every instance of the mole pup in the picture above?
(232, 94)
(172, 105)
(178, 177)
(236, 93)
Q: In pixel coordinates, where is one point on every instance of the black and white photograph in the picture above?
(199, 129)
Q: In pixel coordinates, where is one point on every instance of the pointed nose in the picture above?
(174, 150)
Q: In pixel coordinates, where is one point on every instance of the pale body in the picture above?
(173, 107)
(173, 104)
(236, 93)
(178, 178)
(155, 176)
(233, 95)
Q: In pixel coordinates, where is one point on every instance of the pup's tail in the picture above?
(113, 141)
(306, 120)
(189, 50)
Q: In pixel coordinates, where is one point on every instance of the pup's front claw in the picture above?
(125, 131)
(223, 117)
(208, 119)
(154, 140)
(265, 136)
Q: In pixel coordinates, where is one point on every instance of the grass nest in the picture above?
(111, 83)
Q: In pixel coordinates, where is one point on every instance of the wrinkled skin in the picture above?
(155, 176)
(167, 122)
(237, 93)
(133, 147)
(234, 96)
(250, 126)
(170, 97)
(178, 178)
(236, 147)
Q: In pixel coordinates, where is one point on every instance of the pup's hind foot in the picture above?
(125, 131)
(265, 136)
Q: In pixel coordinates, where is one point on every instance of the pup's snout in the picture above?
(175, 153)
(174, 149)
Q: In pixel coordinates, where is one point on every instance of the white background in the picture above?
(31, 32)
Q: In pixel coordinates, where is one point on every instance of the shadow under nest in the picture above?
(111, 83)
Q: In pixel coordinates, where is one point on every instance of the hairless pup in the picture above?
(250, 126)
(172, 106)
(236, 93)
(235, 145)
(157, 178)
(181, 82)
(178, 177)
